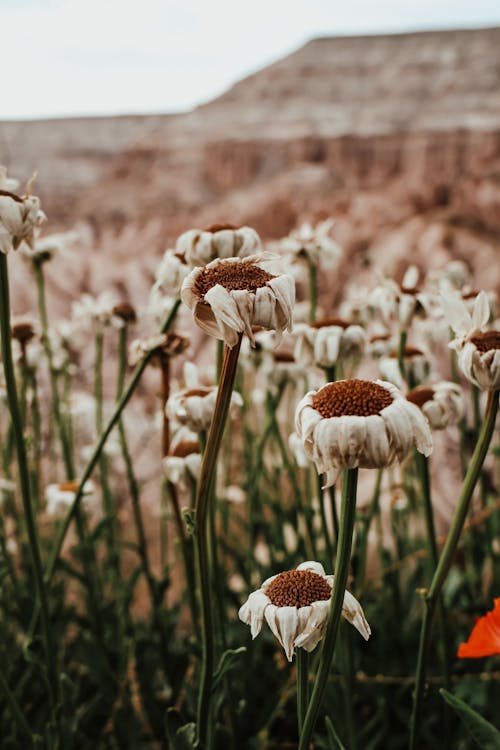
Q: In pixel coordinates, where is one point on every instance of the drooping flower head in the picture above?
(194, 407)
(163, 345)
(442, 403)
(295, 605)
(359, 423)
(484, 639)
(46, 248)
(416, 364)
(329, 340)
(18, 216)
(124, 314)
(315, 244)
(201, 246)
(171, 272)
(478, 349)
(183, 462)
(229, 297)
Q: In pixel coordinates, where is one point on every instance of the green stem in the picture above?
(324, 524)
(127, 394)
(228, 374)
(423, 474)
(446, 560)
(367, 521)
(18, 715)
(108, 504)
(304, 508)
(142, 547)
(401, 353)
(24, 479)
(347, 519)
(330, 373)
(313, 290)
(333, 507)
(302, 685)
(56, 405)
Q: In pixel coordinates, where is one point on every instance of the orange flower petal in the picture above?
(484, 639)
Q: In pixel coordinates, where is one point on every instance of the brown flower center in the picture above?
(202, 392)
(23, 332)
(359, 398)
(284, 357)
(486, 341)
(232, 276)
(324, 322)
(71, 486)
(185, 448)
(125, 311)
(219, 227)
(470, 295)
(420, 396)
(380, 337)
(410, 351)
(412, 290)
(298, 588)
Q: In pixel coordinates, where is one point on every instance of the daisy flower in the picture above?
(228, 297)
(359, 423)
(478, 349)
(295, 605)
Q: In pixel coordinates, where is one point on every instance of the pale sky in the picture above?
(87, 57)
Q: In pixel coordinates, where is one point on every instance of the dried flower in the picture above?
(313, 243)
(478, 350)
(183, 463)
(230, 296)
(442, 403)
(94, 313)
(416, 363)
(327, 341)
(484, 639)
(125, 314)
(194, 407)
(60, 496)
(48, 247)
(163, 345)
(171, 272)
(199, 247)
(295, 605)
(18, 216)
(363, 423)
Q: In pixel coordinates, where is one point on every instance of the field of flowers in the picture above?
(313, 559)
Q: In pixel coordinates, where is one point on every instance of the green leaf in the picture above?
(180, 736)
(227, 661)
(334, 741)
(481, 731)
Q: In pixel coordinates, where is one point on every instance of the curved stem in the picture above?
(347, 519)
(24, 480)
(18, 715)
(446, 560)
(228, 374)
(313, 290)
(302, 685)
(56, 404)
